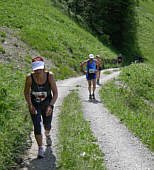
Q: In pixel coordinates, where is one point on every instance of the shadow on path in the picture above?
(92, 101)
(47, 163)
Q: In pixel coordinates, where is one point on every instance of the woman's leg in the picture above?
(36, 118)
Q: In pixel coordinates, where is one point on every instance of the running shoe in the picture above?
(40, 153)
(93, 96)
(90, 97)
(97, 81)
(48, 140)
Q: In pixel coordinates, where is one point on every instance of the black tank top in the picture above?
(40, 94)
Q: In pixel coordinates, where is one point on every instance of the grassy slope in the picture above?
(145, 30)
(14, 121)
(52, 33)
(129, 100)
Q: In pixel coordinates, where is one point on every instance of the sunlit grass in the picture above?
(77, 148)
(145, 29)
(128, 101)
(14, 118)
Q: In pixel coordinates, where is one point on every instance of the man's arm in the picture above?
(82, 66)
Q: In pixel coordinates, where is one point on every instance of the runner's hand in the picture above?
(32, 109)
(48, 111)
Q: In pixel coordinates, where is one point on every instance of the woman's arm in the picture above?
(27, 89)
(55, 93)
(27, 94)
(53, 88)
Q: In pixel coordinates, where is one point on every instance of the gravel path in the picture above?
(122, 150)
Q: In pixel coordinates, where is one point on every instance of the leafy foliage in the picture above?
(114, 19)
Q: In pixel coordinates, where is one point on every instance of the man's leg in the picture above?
(94, 87)
(89, 88)
(98, 76)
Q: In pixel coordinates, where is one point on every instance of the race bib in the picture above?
(91, 70)
(39, 96)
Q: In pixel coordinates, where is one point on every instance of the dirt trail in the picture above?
(122, 150)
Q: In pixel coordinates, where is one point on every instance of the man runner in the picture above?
(90, 74)
(98, 67)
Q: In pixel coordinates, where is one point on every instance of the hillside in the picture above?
(145, 29)
(52, 33)
(127, 25)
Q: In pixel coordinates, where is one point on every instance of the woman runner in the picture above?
(41, 94)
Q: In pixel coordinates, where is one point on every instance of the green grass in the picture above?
(2, 50)
(77, 148)
(2, 36)
(145, 30)
(107, 72)
(127, 101)
(140, 79)
(52, 33)
(147, 5)
(14, 120)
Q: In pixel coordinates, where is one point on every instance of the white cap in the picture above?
(38, 65)
(98, 56)
(91, 55)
